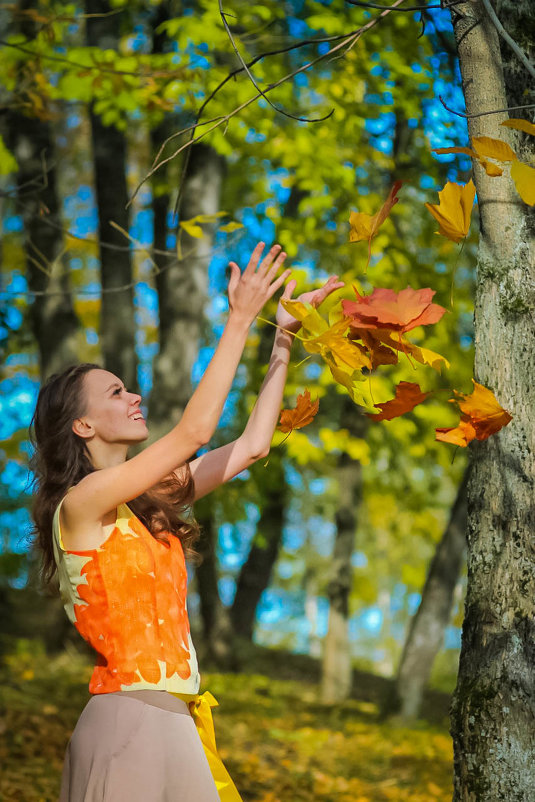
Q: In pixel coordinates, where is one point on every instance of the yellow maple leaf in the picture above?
(365, 226)
(488, 148)
(524, 177)
(520, 125)
(454, 210)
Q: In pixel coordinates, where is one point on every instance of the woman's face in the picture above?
(112, 414)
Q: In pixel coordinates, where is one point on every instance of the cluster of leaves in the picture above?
(363, 335)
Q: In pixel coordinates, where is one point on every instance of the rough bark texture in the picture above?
(117, 322)
(493, 711)
(256, 571)
(183, 290)
(426, 631)
(54, 323)
(336, 667)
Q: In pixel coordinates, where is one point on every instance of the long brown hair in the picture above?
(61, 460)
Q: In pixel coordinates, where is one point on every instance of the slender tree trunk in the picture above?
(54, 323)
(494, 703)
(117, 321)
(426, 630)
(217, 629)
(256, 572)
(336, 668)
(183, 291)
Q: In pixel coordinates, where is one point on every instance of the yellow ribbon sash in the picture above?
(200, 707)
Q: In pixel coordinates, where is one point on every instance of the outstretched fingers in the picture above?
(278, 282)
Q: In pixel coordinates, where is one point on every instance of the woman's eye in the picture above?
(118, 391)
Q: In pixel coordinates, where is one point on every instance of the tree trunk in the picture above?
(256, 572)
(54, 323)
(426, 630)
(183, 291)
(217, 629)
(117, 322)
(494, 703)
(336, 666)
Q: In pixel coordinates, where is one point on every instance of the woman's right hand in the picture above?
(249, 291)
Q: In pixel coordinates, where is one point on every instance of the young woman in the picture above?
(116, 530)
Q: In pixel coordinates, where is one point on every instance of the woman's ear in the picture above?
(82, 428)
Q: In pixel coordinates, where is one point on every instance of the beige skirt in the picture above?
(140, 746)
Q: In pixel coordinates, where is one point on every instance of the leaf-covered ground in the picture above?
(279, 743)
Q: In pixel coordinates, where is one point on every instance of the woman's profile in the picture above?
(116, 532)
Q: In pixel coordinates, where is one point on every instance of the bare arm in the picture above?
(218, 466)
(103, 490)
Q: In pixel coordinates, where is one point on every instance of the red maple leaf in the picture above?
(395, 311)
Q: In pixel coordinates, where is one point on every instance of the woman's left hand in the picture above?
(314, 297)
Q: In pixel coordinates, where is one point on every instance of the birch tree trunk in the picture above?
(426, 630)
(336, 666)
(493, 711)
(117, 321)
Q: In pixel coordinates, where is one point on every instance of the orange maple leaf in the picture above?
(408, 395)
(365, 226)
(301, 415)
(454, 210)
(395, 311)
(481, 416)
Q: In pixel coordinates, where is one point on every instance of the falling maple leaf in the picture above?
(524, 177)
(490, 168)
(301, 415)
(396, 311)
(408, 395)
(481, 416)
(520, 125)
(365, 226)
(487, 147)
(454, 210)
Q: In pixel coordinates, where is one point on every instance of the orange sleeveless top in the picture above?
(127, 598)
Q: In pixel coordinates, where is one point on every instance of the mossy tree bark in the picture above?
(494, 703)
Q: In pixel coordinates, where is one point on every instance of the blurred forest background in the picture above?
(325, 548)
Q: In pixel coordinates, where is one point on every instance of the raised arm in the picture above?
(218, 466)
(101, 491)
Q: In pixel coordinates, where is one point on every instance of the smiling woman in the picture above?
(116, 530)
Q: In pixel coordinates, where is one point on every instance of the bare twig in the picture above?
(483, 113)
(254, 83)
(94, 66)
(218, 121)
(444, 4)
(508, 38)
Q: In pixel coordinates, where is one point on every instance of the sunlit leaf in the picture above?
(481, 416)
(397, 311)
(301, 415)
(365, 227)
(488, 148)
(232, 226)
(454, 210)
(520, 125)
(524, 177)
(408, 395)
